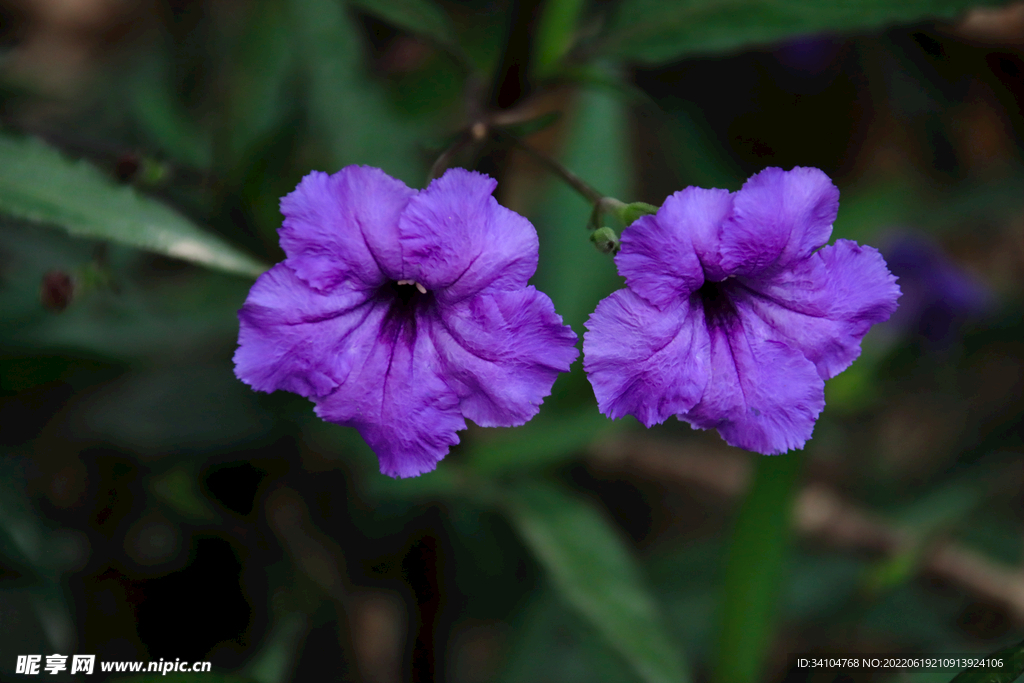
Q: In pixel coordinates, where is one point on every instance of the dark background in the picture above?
(154, 507)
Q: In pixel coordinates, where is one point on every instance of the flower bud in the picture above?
(605, 239)
(631, 212)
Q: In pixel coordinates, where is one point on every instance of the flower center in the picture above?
(718, 306)
(404, 299)
(418, 286)
(405, 295)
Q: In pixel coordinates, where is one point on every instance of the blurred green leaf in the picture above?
(546, 439)
(694, 150)
(420, 17)
(866, 210)
(170, 318)
(23, 631)
(446, 480)
(482, 35)
(556, 32)
(39, 184)
(597, 575)
(856, 388)
(852, 390)
(554, 643)
(913, 614)
(754, 569)
(257, 97)
(178, 488)
(926, 518)
(25, 538)
(894, 571)
(946, 505)
(664, 30)
(162, 116)
(349, 112)
(274, 661)
(1013, 667)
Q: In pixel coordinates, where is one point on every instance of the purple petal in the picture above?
(502, 352)
(344, 227)
(457, 240)
(762, 395)
(643, 361)
(291, 336)
(779, 217)
(822, 306)
(396, 395)
(938, 295)
(658, 258)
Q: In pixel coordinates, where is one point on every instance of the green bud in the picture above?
(631, 212)
(605, 239)
(153, 173)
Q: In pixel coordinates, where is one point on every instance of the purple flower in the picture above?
(939, 296)
(402, 313)
(733, 316)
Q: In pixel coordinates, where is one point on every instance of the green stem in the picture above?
(754, 570)
(556, 167)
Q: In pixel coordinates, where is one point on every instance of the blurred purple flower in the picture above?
(733, 315)
(402, 313)
(938, 295)
(808, 54)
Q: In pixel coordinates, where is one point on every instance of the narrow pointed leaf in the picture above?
(556, 33)
(754, 571)
(663, 30)
(596, 574)
(38, 183)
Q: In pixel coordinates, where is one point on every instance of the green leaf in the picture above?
(1012, 668)
(421, 17)
(555, 34)
(178, 488)
(546, 439)
(25, 539)
(349, 113)
(446, 481)
(552, 642)
(162, 116)
(257, 100)
(754, 570)
(594, 571)
(276, 659)
(663, 30)
(145, 319)
(38, 183)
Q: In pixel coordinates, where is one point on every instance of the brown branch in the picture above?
(820, 513)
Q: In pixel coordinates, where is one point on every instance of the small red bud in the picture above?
(127, 167)
(56, 291)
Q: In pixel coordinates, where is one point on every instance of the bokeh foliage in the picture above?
(152, 506)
